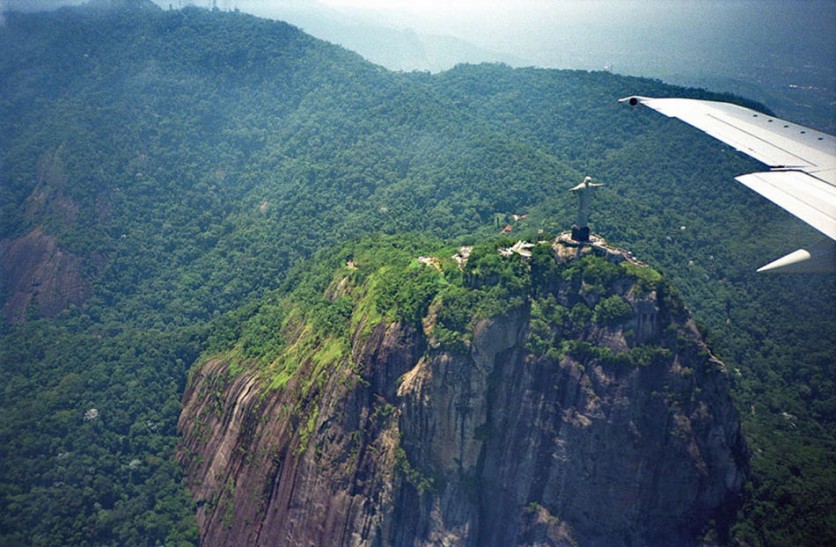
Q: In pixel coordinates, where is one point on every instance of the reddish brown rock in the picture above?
(37, 272)
(408, 442)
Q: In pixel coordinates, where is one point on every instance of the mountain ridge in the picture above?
(121, 5)
(205, 156)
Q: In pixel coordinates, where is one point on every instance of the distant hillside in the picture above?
(749, 48)
(162, 171)
(394, 48)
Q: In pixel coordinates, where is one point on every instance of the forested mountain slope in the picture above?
(161, 170)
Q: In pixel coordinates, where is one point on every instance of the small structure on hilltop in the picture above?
(461, 257)
(567, 249)
(522, 248)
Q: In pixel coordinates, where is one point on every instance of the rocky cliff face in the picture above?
(37, 276)
(577, 407)
(36, 271)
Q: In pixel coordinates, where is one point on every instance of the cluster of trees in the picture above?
(88, 431)
(204, 154)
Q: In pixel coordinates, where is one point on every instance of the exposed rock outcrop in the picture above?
(523, 428)
(37, 272)
(37, 276)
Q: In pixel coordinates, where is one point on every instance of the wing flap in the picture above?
(803, 162)
(805, 196)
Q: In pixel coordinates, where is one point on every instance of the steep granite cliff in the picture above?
(498, 397)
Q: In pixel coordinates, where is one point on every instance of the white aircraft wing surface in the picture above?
(807, 197)
(802, 178)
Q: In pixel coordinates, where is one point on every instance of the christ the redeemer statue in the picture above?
(580, 231)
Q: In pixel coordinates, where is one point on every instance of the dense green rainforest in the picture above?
(163, 172)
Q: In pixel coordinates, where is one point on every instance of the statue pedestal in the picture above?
(580, 234)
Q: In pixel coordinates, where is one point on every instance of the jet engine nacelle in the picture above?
(635, 100)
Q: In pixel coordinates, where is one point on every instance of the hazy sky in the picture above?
(631, 35)
(760, 48)
(782, 52)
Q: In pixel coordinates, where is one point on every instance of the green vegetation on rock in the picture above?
(399, 279)
(191, 162)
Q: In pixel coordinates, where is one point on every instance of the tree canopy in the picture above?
(191, 159)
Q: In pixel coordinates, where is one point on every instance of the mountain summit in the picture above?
(471, 397)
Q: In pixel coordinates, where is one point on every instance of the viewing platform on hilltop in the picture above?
(567, 249)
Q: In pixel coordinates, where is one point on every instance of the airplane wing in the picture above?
(802, 162)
